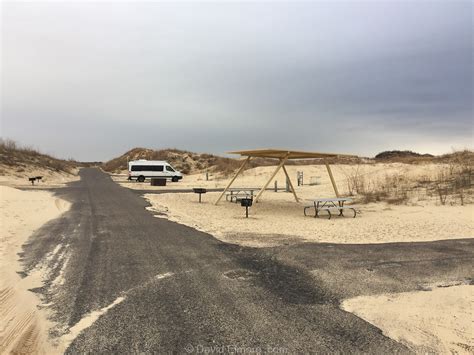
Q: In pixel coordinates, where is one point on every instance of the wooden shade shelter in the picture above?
(282, 155)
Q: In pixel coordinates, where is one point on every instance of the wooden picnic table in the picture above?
(235, 193)
(328, 204)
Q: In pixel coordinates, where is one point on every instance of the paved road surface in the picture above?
(185, 291)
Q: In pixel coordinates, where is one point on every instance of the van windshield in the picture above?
(169, 168)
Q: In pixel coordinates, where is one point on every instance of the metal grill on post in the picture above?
(246, 202)
(199, 191)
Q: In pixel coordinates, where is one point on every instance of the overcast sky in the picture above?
(91, 80)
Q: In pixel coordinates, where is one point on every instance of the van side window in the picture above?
(169, 168)
(147, 167)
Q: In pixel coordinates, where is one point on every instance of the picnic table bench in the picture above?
(329, 205)
(236, 194)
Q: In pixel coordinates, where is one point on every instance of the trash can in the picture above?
(158, 182)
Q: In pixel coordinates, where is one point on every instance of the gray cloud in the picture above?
(90, 80)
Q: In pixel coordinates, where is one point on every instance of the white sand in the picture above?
(24, 329)
(438, 321)
(278, 217)
(19, 178)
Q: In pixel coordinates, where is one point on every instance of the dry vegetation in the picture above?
(184, 161)
(403, 156)
(190, 163)
(452, 183)
(20, 158)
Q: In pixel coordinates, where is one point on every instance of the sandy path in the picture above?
(437, 321)
(24, 329)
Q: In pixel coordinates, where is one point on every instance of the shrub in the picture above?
(457, 178)
(391, 189)
(453, 181)
(8, 144)
(12, 154)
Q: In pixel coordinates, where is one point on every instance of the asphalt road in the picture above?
(185, 291)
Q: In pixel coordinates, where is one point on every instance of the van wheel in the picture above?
(174, 179)
(141, 178)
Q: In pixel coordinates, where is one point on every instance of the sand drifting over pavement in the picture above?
(438, 321)
(24, 329)
(279, 220)
(86, 322)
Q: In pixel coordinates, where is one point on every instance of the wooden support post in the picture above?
(291, 184)
(333, 182)
(233, 179)
(282, 162)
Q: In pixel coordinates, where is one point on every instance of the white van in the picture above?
(142, 169)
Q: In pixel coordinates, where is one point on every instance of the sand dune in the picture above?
(256, 177)
(10, 177)
(24, 328)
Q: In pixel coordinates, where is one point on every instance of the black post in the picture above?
(200, 191)
(246, 202)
